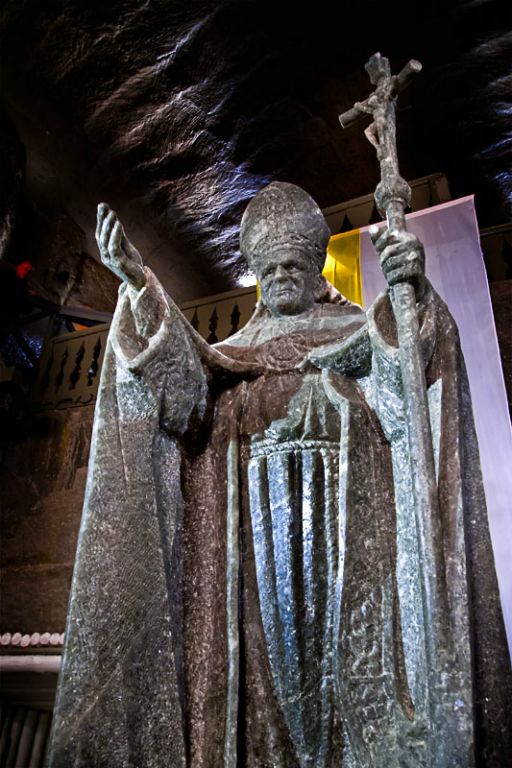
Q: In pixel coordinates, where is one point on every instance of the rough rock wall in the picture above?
(42, 477)
(64, 271)
(12, 178)
(181, 111)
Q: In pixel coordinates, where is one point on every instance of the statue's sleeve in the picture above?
(480, 681)
(158, 367)
(120, 692)
(384, 385)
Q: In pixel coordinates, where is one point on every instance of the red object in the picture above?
(23, 268)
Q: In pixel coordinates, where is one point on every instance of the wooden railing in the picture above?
(220, 316)
(24, 736)
(69, 368)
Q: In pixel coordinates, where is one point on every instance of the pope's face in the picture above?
(288, 282)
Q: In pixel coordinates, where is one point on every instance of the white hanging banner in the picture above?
(455, 267)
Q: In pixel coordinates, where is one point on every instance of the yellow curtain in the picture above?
(343, 266)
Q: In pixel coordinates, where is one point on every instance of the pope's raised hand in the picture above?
(402, 257)
(116, 251)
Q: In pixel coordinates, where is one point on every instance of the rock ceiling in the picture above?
(177, 112)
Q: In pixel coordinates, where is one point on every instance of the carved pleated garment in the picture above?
(296, 487)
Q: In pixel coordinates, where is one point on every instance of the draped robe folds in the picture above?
(247, 590)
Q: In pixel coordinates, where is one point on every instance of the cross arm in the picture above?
(354, 114)
(387, 87)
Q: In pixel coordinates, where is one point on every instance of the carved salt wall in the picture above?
(42, 478)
